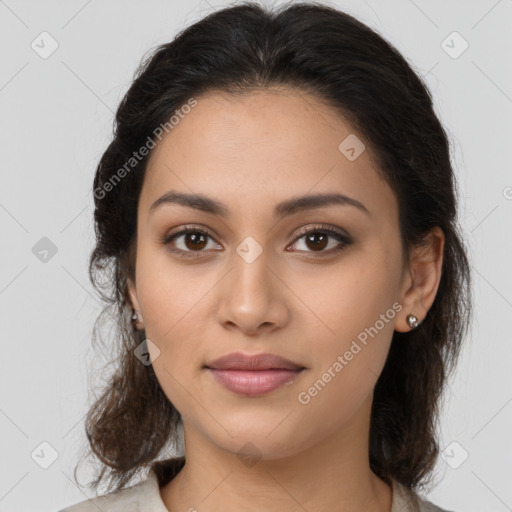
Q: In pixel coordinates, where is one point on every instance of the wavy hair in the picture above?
(318, 50)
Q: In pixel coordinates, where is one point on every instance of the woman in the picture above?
(276, 218)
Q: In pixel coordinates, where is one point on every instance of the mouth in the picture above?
(253, 375)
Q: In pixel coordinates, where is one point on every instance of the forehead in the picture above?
(262, 147)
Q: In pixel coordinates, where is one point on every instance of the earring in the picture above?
(135, 316)
(412, 321)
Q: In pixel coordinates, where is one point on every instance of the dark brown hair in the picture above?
(322, 51)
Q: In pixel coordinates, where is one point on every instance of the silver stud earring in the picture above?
(412, 321)
(135, 316)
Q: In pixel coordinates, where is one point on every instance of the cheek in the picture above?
(172, 298)
(349, 298)
(352, 311)
(172, 325)
(351, 346)
(165, 290)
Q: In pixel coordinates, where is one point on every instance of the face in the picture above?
(255, 281)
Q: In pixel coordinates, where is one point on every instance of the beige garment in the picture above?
(145, 497)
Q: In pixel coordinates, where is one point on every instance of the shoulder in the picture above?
(145, 492)
(406, 500)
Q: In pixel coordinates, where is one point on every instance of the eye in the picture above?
(195, 239)
(317, 238)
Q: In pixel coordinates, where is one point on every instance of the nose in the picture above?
(253, 298)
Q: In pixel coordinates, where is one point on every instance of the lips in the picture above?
(253, 375)
(262, 361)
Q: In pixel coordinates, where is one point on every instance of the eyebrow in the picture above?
(283, 209)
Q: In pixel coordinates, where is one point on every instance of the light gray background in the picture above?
(56, 120)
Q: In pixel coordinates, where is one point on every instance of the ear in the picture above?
(422, 279)
(132, 294)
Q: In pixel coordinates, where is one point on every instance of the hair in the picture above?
(318, 50)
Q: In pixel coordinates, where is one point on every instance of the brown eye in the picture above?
(316, 239)
(193, 240)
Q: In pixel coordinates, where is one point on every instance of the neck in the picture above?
(333, 474)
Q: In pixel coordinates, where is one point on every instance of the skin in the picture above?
(250, 152)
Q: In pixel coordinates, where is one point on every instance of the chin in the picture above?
(265, 442)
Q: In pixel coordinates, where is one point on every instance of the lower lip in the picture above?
(254, 382)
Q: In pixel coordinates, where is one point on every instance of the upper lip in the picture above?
(262, 361)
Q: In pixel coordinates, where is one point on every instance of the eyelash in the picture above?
(322, 229)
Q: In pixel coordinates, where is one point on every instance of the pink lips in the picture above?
(253, 375)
